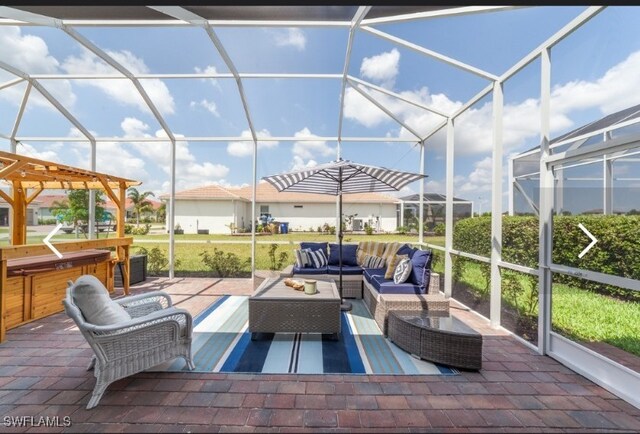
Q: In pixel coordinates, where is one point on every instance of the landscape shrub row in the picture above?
(617, 251)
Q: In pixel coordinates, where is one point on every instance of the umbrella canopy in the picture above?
(342, 176)
(339, 177)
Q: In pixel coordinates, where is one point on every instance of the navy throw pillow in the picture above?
(421, 267)
(349, 252)
(406, 249)
(316, 246)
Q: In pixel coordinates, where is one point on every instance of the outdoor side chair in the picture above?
(155, 333)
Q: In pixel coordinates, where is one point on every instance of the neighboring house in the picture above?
(214, 207)
(32, 213)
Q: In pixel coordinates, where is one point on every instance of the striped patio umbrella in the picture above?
(342, 177)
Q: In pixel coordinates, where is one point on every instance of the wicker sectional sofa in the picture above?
(380, 295)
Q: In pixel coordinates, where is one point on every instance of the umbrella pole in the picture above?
(345, 305)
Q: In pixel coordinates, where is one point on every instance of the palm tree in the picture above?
(140, 202)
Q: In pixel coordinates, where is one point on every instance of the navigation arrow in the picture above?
(593, 241)
(49, 245)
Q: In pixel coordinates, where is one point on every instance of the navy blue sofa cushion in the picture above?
(348, 254)
(347, 270)
(406, 249)
(370, 272)
(316, 246)
(386, 286)
(421, 268)
(310, 271)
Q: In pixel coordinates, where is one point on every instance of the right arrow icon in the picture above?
(593, 241)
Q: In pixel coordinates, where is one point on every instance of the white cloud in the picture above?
(308, 149)
(210, 106)
(190, 172)
(364, 112)
(30, 54)
(382, 68)
(245, 149)
(479, 179)
(47, 152)
(113, 158)
(298, 163)
(292, 37)
(210, 69)
(122, 91)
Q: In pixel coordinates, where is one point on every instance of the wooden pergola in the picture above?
(29, 177)
(27, 296)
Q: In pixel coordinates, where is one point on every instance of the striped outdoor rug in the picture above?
(222, 343)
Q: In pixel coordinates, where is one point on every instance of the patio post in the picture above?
(546, 206)
(253, 213)
(92, 195)
(172, 211)
(510, 187)
(496, 206)
(421, 223)
(448, 236)
(607, 168)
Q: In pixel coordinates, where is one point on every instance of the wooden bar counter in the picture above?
(34, 281)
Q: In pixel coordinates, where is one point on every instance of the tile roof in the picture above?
(267, 193)
(207, 192)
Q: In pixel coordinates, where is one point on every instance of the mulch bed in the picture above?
(525, 327)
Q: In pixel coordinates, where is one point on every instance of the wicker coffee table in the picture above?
(437, 337)
(277, 308)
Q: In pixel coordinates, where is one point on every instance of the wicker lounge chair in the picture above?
(157, 332)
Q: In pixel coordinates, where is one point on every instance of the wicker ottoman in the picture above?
(437, 337)
(277, 308)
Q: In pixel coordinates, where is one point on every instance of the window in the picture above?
(264, 209)
(297, 206)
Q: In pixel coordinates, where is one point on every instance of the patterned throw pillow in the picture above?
(302, 257)
(392, 264)
(373, 262)
(403, 270)
(318, 258)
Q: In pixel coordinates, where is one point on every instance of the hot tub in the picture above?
(36, 285)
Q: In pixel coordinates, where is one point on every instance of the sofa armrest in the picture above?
(287, 272)
(434, 284)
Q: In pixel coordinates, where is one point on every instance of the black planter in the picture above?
(203, 231)
(178, 231)
(137, 270)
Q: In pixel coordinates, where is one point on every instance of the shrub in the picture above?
(439, 229)
(277, 264)
(128, 229)
(141, 230)
(368, 229)
(617, 251)
(157, 260)
(402, 230)
(47, 221)
(229, 265)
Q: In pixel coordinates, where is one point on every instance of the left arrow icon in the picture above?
(48, 243)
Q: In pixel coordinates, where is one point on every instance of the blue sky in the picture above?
(595, 72)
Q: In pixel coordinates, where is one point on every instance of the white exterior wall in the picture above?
(317, 214)
(214, 215)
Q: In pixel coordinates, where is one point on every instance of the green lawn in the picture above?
(583, 315)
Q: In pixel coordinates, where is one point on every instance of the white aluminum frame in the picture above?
(549, 343)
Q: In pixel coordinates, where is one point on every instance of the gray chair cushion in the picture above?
(92, 298)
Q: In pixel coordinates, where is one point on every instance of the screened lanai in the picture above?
(184, 96)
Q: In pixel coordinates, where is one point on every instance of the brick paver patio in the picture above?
(42, 373)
